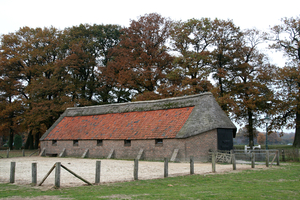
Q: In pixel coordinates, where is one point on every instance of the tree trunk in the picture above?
(36, 140)
(250, 129)
(11, 138)
(29, 141)
(297, 131)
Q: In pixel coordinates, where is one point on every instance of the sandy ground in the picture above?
(111, 170)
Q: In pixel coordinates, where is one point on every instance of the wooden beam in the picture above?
(77, 176)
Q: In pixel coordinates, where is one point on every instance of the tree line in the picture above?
(274, 138)
(43, 71)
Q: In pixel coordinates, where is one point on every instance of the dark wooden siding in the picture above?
(225, 139)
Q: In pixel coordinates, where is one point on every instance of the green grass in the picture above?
(278, 182)
(18, 153)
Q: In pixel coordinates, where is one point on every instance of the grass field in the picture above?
(18, 153)
(278, 182)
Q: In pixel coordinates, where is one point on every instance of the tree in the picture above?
(242, 136)
(44, 71)
(87, 62)
(30, 59)
(10, 86)
(191, 39)
(10, 108)
(261, 139)
(140, 62)
(273, 138)
(226, 36)
(287, 39)
(249, 77)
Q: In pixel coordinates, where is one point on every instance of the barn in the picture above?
(175, 128)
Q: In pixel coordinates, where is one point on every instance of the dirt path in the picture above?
(111, 170)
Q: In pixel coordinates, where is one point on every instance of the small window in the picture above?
(75, 142)
(158, 142)
(54, 142)
(127, 143)
(99, 142)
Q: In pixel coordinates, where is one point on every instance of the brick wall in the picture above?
(197, 146)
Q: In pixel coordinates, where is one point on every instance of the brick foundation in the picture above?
(197, 146)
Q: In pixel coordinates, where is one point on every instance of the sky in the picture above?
(260, 14)
(65, 13)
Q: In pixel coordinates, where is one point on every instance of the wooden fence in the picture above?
(57, 167)
(289, 155)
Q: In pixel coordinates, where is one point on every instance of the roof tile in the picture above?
(157, 124)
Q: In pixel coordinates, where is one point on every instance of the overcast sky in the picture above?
(66, 13)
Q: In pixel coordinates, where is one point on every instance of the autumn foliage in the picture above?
(43, 71)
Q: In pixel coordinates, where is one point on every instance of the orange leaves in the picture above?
(141, 61)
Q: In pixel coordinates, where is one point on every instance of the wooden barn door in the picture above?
(225, 139)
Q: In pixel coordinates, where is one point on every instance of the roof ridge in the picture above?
(160, 104)
(143, 102)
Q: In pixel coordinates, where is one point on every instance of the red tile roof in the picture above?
(157, 124)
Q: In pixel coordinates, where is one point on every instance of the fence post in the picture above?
(23, 152)
(34, 173)
(267, 158)
(192, 165)
(283, 156)
(252, 159)
(277, 152)
(136, 169)
(233, 161)
(57, 175)
(165, 167)
(213, 161)
(7, 154)
(12, 172)
(98, 171)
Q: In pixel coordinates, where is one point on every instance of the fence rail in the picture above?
(289, 154)
(244, 156)
(284, 154)
(260, 154)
